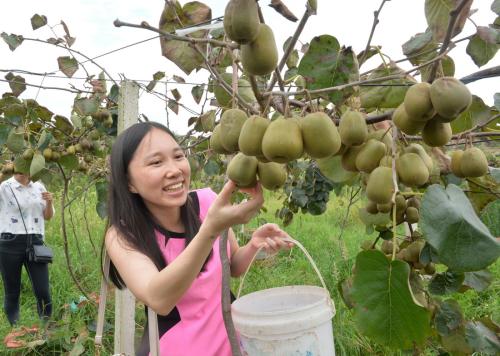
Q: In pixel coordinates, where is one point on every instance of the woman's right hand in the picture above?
(222, 214)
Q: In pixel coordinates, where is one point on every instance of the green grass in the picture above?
(320, 235)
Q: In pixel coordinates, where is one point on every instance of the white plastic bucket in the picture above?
(284, 321)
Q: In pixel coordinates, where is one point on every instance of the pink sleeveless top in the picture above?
(200, 330)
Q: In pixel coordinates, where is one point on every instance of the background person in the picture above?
(163, 240)
(35, 203)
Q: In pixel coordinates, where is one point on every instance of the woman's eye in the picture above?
(155, 163)
(179, 156)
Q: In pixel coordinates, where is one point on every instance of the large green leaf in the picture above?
(483, 191)
(385, 309)
(4, 133)
(102, 198)
(173, 17)
(453, 229)
(331, 167)
(86, 106)
(22, 165)
(478, 280)
(37, 164)
(38, 21)
(481, 51)
(446, 283)
(437, 13)
(325, 65)
(386, 94)
(16, 83)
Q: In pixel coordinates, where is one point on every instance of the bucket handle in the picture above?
(311, 261)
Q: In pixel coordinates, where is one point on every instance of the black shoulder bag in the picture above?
(36, 253)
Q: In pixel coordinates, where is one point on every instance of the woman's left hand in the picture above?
(271, 238)
(47, 196)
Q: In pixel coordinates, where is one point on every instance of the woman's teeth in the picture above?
(173, 188)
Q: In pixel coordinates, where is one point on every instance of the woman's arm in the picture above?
(268, 236)
(161, 290)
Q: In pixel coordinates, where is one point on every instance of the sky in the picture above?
(91, 23)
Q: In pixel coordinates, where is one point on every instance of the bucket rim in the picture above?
(319, 291)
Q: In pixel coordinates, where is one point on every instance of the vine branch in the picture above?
(375, 23)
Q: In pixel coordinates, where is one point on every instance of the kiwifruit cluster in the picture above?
(429, 109)
(259, 54)
(407, 209)
(265, 146)
(244, 90)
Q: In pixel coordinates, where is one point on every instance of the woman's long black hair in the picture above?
(127, 212)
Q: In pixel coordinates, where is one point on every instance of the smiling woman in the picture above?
(163, 239)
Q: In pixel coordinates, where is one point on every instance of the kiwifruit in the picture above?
(224, 99)
(272, 175)
(47, 153)
(418, 149)
(370, 155)
(241, 20)
(400, 203)
(215, 143)
(412, 170)
(474, 163)
(430, 268)
(413, 251)
(55, 156)
(349, 158)
(386, 161)
(413, 202)
(417, 102)
(319, 134)
(71, 150)
(260, 56)
(404, 123)
(366, 245)
(449, 96)
(231, 123)
(384, 208)
(252, 132)
(242, 170)
(371, 207)
(387, 247)
(380, 186)
(436, 133)
(383, 135)
(412, 215)
(443, 119)
(352, 128)
(282, 141)
(28, 154)
(456, 163)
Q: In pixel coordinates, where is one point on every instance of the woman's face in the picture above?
(159, 171)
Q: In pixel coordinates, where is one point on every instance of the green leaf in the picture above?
(63, 124)
(43, 113)
(373, 51)
(449, 318)
(446, 283)
(70, 162)
(12, 40)
(452, 228)
(484, 190)
(173, 105)
(385, 309)
(379, 219)
(4, 133)
(183, 54)
(482, 339)
(390, 93)
(38, 21)
(197, 93)
(495, 7)
(37, 164)
(481, 51)
(159, 75)
(211, 168)
(15, 140)
(478, 280)
(437, 13)
(489, 215)
(102, 198)
(114, 93)
(22, 165)
(15, 113)
(206, 121)
(44, 140)
(67, 65)
(325, 65)
(477, 113)
(331, 167)
(176, 94)
(418, 43)
(86, 106)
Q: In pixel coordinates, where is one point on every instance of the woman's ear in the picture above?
(132, 189)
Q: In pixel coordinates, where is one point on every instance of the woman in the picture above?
(24, 206)
(163, 240)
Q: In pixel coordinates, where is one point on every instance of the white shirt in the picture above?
(32, 207)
